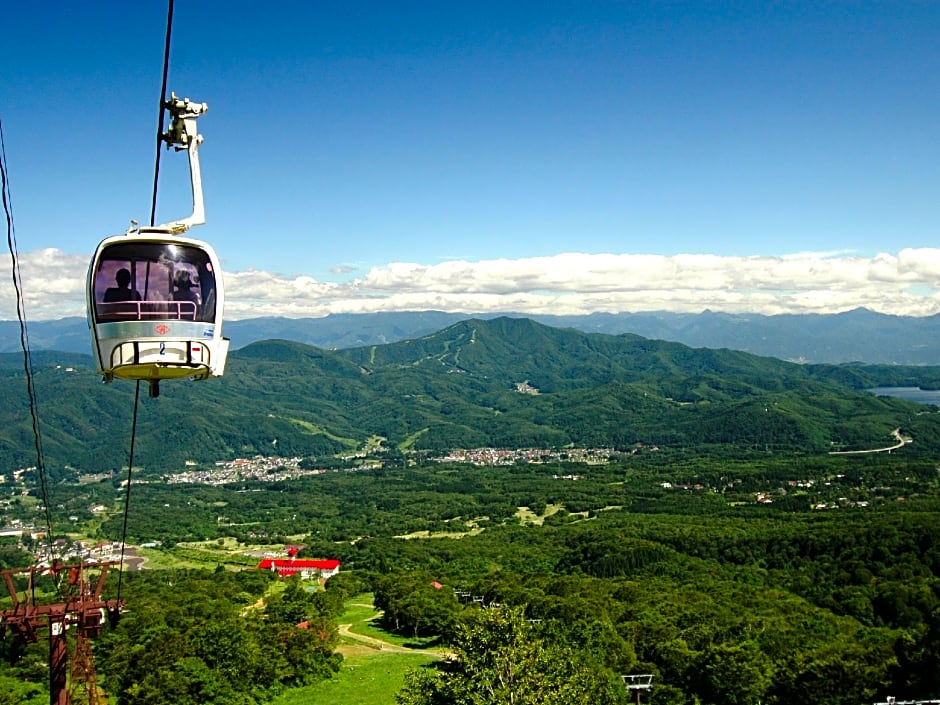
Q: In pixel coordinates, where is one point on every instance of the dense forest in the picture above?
(718, 543)
(732, 578)
(195, 637)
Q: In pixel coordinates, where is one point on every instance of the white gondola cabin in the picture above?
(155, 297)
(156, 306)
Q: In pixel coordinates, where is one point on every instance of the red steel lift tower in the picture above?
(81, 607)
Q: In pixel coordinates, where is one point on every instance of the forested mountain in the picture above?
(503, 382)
(724, 550)
(860, 335)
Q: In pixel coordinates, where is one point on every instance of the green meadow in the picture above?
(365, 679)
(374, 666)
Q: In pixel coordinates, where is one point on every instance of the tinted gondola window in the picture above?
(154, 281)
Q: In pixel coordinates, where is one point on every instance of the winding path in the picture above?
(381, 644)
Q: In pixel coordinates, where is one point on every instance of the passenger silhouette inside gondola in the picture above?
(184, 288)
(123, 290)
(186, 294)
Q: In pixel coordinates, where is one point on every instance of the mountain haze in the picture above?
(853, 336)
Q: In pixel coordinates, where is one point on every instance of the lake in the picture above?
(923, 396)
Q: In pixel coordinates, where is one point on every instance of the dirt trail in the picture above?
(381, 644)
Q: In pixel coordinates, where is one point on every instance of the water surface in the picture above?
(922, 396)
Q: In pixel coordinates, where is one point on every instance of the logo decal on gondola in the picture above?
(161, 329)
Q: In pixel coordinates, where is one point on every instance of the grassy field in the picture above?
(362, 618)
(527, 516)
(226, 552)
(365, 679)
(369, 675)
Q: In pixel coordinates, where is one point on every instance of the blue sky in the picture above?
(540, 156)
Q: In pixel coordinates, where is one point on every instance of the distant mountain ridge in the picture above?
(502, 382)
(860, 335)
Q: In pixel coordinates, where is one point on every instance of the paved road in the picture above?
(896, 433)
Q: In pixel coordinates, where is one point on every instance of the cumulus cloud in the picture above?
(906, 283)
(52, 284)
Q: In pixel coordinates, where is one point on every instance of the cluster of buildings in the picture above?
(806, 485)
(274, 469)
(18, 527)
(511, 456)
(260, 468)
(78, 552)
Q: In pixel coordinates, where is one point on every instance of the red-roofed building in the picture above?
(306, 568)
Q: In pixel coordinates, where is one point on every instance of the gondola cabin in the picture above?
(155, 308)
(154, 295)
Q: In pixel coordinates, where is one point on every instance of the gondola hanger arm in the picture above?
(183, 134)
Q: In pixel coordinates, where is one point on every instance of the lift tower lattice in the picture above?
(81, 607)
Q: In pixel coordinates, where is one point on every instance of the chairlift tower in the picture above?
(638, 683)
(71, 681)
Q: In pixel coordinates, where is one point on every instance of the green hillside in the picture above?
(503, 382)
(725, 551)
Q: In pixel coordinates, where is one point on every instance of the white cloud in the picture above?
(907, 283)
(343, 268)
